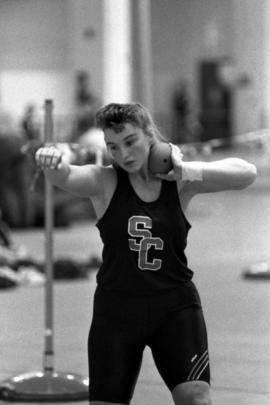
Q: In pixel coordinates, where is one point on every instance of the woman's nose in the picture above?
(124, 153)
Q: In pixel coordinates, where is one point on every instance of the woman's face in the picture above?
(129, 148)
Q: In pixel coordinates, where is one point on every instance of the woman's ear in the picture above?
(151, 135)
(153, 139)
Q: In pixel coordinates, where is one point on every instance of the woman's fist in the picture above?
(48, 158)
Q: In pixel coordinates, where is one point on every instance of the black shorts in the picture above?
(171, 324)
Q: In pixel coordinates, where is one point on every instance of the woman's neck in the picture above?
(143, 175)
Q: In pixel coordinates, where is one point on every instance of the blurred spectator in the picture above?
(13, 172)
(86, 105)
(7, 123)
(184, 121)
(93, 140)
(13, 180)
(30, 125)
(5, 239)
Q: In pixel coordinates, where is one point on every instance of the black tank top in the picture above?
(144, 242)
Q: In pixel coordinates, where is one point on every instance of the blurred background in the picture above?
(203, 70)
(201, 67)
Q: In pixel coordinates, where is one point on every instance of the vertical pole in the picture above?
(145, 41)
(117, 86)
(265, 81)
(48, 385)
(142, 52)
(49, 352)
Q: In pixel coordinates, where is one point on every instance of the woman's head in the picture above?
(114, 116)
(129, 133)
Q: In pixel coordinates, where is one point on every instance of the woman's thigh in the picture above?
(115, 357)
(180, 348)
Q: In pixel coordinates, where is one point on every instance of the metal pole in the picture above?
(142, 52)
(46, 385)
(49, 224)
(117, 51)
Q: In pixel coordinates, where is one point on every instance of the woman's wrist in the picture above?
(58, 175)
(192, 171)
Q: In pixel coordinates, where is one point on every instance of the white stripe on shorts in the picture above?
(199, 367)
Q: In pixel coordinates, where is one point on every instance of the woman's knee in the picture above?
(192, 393)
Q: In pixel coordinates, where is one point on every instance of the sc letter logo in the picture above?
(140, 227)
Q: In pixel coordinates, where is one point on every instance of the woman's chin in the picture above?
(130, 167)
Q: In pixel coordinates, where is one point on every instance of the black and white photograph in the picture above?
(135, 202)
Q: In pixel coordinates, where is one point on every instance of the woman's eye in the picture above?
(112, 149)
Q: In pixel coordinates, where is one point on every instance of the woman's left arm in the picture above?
(221, 175)
(206, 177)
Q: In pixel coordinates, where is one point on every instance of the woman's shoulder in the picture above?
(108, 176)
(108, 181)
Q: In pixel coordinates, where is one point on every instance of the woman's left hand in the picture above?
(176, 172)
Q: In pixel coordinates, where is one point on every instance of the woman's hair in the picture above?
(115, 116)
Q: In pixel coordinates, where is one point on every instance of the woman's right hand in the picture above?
(48, 157)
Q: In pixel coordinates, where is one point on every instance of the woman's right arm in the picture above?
(83, 181)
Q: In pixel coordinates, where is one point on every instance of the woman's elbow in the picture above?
(249, 175)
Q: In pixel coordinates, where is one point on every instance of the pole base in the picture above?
(44, 387)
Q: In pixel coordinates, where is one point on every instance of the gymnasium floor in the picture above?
(230, 232)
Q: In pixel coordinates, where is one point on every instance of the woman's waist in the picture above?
(183, 295)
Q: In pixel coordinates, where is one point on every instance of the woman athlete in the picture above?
(145, 295)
